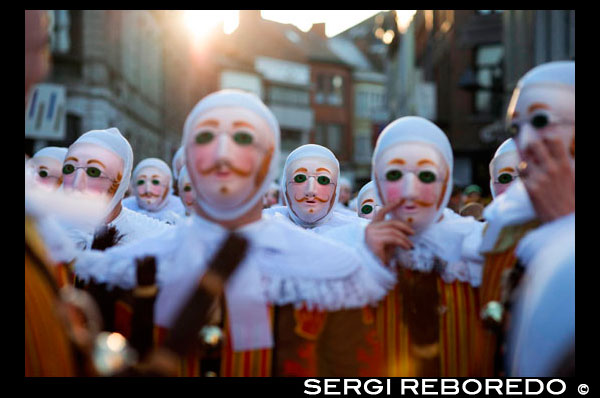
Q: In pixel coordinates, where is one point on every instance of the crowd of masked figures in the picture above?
(207, 267)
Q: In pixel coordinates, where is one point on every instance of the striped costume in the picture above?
(48, 350)
(308, 343)
(497, 261)
(457, 306)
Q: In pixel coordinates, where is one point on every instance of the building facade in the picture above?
(112, 66)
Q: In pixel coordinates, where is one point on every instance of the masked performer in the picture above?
(367, 201)
(152, 179)
(541, 117)
(47, 166)
(100, 161)
(504, 167)
(186, 191)
(274, 322)
(310, 190)
(428, 322)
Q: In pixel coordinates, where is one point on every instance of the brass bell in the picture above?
(492, 313)
(112, 353)
(211, 335)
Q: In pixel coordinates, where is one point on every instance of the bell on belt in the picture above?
(211, 335)
(492, 314)
(112, 353)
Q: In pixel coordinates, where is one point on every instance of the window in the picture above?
(290, 140)
(60, 40)
(330, 90)
(288, 96)
(362, 148)
(321, 89)
(331, 136)
(336, 96)
(488, 72)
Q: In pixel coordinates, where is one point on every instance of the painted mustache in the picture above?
(417, 202)
(148, 195)
(304, 199)
(218, 165)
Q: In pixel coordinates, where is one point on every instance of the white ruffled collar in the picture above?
(446, 247)
(513, 207)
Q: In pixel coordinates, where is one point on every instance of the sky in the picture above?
(336, 21)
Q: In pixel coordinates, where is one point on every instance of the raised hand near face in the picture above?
(383, 236)
(549, 178)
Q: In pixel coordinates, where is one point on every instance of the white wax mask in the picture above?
(92, 168)
(228, 154)
(48, 171)
(504, 167)
(543, 104)
(186, 190)
(367, 203)
(311, 188)
(417, 174)
(152, 186)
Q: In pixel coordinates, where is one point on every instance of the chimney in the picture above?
(319, 28)
(249, 17)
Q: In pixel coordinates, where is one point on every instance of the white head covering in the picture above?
(309, 151)
(179, 154)
(236, 98)
(159, 164)
(365, 190)
(558, 74)
(112, 140)
(153, 162)
(415, 129)
(514, 206)
(506, 147)
(183, 174)
(55, 152)
(551, 73)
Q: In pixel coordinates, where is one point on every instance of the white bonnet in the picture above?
(112, 140)
(58, 153)
(179, 154)
(153, 162)
(250, 101)
(414, 129)
(309, 151)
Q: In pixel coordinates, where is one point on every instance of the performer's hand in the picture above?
(383, 236)
(549, 179)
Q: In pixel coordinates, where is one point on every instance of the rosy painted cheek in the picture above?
(242, 157)
(393, 192)
(98, 185)
(428, 193)
(202, 156)
(324, 191)
(156, 189)
(141, 189)
(500, 188)
(297, 190)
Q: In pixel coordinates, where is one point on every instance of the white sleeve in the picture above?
(116, 266)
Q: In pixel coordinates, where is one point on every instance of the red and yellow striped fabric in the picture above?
(495, 265)
(48, 351)
(189, 366)
(460, 329)
(63, 275)
(491, 290)
(460, 332)
(255, 363)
